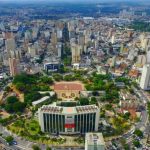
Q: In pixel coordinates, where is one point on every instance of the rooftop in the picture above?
(68, 110)
(94, 138)
(68, 86)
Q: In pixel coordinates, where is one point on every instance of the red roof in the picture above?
(68, 86)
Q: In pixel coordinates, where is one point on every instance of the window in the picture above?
(63, 95)
(72, 95)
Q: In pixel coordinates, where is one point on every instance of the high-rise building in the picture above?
(148, 57)
(113, 39)
(13, 65)
(68, 120)
(10, 44)
(81, 40)
(32, 50)
(145, 78)
(76, 53)
(59, 50)
(94, 141)
(54, 39)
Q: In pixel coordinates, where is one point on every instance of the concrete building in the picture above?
(10, 44)
(68, 120)
(145, 78)
(43, 99)
(76, 53)
(94, 141)
(13, 65)
(32, 51)
(68, 90)
(148, 57)
(52, 66)
(54, 39)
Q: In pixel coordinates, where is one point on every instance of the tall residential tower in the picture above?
(145, 79)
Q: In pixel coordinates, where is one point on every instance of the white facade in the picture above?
(76, 53)
(10, 44)
(145, 79)
(69, 120)
(94, 141)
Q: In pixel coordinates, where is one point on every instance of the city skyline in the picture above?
(74, 74)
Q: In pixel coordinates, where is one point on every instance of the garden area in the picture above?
(30, 130)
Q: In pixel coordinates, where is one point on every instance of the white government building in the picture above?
(68, 120)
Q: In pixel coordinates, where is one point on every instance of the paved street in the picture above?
(143, 123)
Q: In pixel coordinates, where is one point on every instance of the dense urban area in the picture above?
(74, 76)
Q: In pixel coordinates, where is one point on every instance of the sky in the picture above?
(85, 1)
(75, 0)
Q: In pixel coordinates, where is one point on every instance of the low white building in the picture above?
(43, 99)
(94, 141)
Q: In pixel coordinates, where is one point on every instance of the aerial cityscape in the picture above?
(74, 75)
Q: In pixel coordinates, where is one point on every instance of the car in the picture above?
(14, 142)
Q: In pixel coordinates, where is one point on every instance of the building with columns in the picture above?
(68, 120)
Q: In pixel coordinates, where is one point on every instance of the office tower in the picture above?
(81, 40)
(113, 61)
(54, 39)
(28, 36)
(144, 43)
(32, 50)
(145, 78)
(10, 44)
(59, 50)
(59, 33)
(35, 33)
(94, 141)
(110, 33)
(144, 14)
(15, 54)
(13, 65)
(76, 52)
(113, 39)
(2, 27)
(68, 120)
(141, 60)
(47, 34)
(148, 57)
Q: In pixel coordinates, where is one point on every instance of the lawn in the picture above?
(23, 126)
(32, 127)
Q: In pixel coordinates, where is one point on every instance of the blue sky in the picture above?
(93, 1)
(77, 0)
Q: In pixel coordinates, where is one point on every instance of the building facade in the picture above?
(145, 78)
(94, 141)
(69, 120)
(13, 66)
(76, 53)
(68, 90)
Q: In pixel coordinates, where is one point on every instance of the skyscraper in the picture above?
(10, 44)
(54, 39)
(145, 79)
(13, 65)
(76, 51)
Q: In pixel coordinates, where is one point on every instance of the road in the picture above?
(143, 123)
(21, 144)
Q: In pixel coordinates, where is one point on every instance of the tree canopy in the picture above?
(13, 105)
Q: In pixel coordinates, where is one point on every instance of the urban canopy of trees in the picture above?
(30, 85)
(13, 105)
